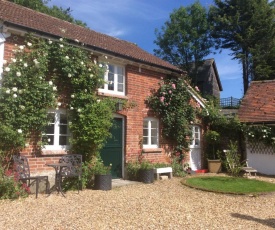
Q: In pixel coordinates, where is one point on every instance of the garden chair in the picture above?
(74, 168)
(249, 170)
(21, 166)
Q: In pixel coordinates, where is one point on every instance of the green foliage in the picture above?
(11, 142)
(132, 169)
(212, 138)
(92, 168)
(260, 134)
(185, 40)
(172, 103)
(46, 74)
(98, 167)
(146, 165)
(10, 186)
(25, 96)
(246, 27)
(177, 167)
(221, 128)
(232, 159)
(90, 126)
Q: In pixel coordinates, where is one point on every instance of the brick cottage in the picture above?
(140, 73)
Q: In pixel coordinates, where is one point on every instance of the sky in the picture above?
(136, 20)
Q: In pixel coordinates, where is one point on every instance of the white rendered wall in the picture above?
(264, 163)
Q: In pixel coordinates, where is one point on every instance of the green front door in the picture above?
(112, 151)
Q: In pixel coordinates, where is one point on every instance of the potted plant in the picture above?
(212, 138)
(102, 174)
(146, 172)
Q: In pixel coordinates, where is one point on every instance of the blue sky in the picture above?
(136, 20)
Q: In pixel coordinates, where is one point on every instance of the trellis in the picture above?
(260, 148)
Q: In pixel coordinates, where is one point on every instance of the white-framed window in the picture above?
(150, 133)
(57, 132)
(196, 136)
(114, 78)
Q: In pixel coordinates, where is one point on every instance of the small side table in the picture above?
(58, 183)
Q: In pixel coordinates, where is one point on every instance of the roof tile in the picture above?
(258, 104)
(45, 24)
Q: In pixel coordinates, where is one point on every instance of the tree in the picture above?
(247, 28)
(55, 11)
(185, 39)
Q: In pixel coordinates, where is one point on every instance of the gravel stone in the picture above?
(165, 204)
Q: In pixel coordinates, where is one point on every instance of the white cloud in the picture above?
(228, 69)
(112, 17)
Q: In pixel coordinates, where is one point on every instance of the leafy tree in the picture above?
(185, 38)
(55, 11)
(247, 28)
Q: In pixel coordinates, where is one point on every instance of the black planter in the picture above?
(103, 182)
(146, 176)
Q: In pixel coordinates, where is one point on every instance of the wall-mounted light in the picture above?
(119, 106)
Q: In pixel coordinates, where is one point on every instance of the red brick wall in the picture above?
(139, 83)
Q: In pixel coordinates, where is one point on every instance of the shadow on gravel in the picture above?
(268, 222)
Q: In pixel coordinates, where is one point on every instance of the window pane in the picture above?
(145, 124)
(50, 129)
(120, 88)
(49, 139)
(154, 124)
(154, 132)
(145, 140)
(63, 140)
(63, 119)
(110, 81)
(197, 142)
(154, 141)
(119, 70)
(145, 132)
(120, 79)
(111, 68)
(63, 129)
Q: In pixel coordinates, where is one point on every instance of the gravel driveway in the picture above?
(164, 204)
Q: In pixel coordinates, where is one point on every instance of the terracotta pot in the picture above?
(214, 166)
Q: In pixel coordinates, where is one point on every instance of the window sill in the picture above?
(54, 152)
(152, 150)
(109, 94)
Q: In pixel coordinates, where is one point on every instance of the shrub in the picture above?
(177, 167)
(232, 159)
(10, 186)
(132, 169)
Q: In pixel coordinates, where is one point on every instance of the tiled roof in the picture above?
(258, 104)
(16, 15)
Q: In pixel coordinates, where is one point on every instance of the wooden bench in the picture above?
(166, 170)
(249, 170)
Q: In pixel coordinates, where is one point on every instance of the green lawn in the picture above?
(230, 184)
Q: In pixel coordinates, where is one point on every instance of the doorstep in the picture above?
(121, 182)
